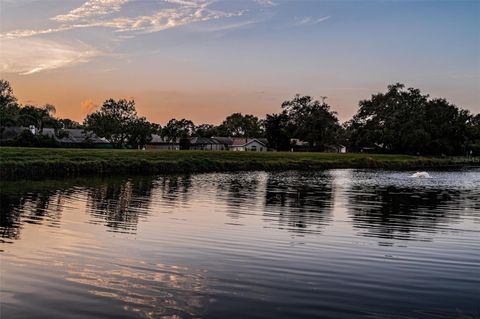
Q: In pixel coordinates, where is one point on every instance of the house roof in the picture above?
(223, 140)
(237, 141)
(203, 140)
(75, 136)
(157, 139)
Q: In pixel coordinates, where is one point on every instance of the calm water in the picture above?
(333, 244)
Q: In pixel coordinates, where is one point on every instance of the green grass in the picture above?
(35, 163)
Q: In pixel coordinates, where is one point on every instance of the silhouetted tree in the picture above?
(407, 121)
(240, 125)
(277, 132)
(69, 124)
(6, 94)
(312, 121)
(205, 130)
(179, 129)
(140, 132)
(112, 121)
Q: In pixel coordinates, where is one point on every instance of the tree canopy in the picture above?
(311, 121)
(118, 122)
(407, 121)
(240, 125)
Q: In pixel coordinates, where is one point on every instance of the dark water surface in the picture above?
(333, 244)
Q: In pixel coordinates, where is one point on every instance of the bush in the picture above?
(28, 139)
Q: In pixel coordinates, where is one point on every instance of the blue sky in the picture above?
(206, 59)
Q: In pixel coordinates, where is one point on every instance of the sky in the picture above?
(205, 59)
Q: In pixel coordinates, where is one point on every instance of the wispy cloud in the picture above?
(306, 21)
(91, 14)
(28, 56)
(227, 27)
(91, 8)
(109, 14)
(266, 3)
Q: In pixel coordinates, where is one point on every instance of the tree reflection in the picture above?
(10, 211)
(298, 201)
(239, 191)
(119, 204)
(116, 203)
(174, 188)
(400, 213)
(28, 207)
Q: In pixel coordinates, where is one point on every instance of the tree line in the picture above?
(401, 120)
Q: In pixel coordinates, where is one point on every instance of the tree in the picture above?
(13, 114)
(40, 117)
(240, 125)
(277, 132)
(6, 94)
(474, 135)
(112, 121)
(311, 121)
(8, 104)
(69, 124)
(156, 128)
(179, 130)
(140, 132)
(407, 121)
(205, 130)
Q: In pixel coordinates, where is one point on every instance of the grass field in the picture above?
(35, 163)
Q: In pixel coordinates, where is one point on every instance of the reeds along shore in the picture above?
(38, 163)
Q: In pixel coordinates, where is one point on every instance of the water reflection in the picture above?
(119, 204)
(174, 189)
(408, 213)
(240, 193)
(220, 246)
(294, 201)
(298, 200)
(148, 290)
(31, 208)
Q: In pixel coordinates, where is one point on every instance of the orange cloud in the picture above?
(88, 106)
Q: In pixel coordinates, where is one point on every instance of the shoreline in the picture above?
(43, 163)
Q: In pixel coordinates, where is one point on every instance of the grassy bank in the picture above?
(35, 163)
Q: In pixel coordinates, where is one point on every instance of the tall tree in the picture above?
(69, 124)
(40, 117)
(407, 121)
(6, 94)
(277, 131)
(205, 130)
(311, 121)
(140, 132)
(8, 104)
(178, 130)
(112, 121)
(241, 125)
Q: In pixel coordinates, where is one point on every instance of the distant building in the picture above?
(160, 143)
(249, 144)
(335, 149)
(298, 145)
(208, 144)
(228, 143)
(77, 138)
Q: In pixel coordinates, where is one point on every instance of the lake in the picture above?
(331, 244)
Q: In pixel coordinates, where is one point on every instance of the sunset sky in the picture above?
(203, 60)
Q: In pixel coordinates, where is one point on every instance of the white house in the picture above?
(249, 144)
